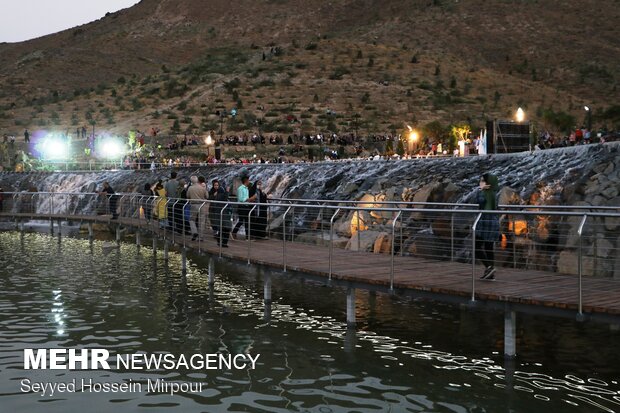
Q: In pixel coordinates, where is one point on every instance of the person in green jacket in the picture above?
(487, 231)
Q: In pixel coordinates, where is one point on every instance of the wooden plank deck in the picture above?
(528, 287)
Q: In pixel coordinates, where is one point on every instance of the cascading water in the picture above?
(585, 175)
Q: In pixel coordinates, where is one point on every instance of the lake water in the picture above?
(405, 356)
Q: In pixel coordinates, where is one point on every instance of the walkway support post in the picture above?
(211, 271)
(154, 245)
(394, 220)
(267, 288)
(284, 238)
(59, 230)
(580, 262)
(166, 249)
(90, 230)
(331, 242)
(351, 308)
(510, 333)
(473, 256)
(184, 260)
(138, 237)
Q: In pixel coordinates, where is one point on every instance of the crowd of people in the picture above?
(580, 136)
(305, 139)
(191, 217)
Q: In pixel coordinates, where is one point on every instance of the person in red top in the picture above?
(578, 135)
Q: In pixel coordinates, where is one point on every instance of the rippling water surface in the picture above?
(406, 356)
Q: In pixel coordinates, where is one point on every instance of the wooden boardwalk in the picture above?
(524, 287)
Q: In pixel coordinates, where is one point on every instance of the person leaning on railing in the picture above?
(147, 207)
(112, 198)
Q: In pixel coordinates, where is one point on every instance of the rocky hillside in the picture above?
(374, 65)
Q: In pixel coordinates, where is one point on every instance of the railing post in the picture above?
(331, 242)
(249, 240)
(199, 229)
(393, 240)
(514, 244)
(321, 215)
(359, 235)
(284, 238)
(401, 236)
(473, 257)
(452, 235)
(183, 221)
(594, 251)
(120, 207)
(222, 226)
(293, 224)
(580, 261)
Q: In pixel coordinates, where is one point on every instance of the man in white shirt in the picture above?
(196, 194)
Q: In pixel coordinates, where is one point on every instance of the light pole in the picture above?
(413, 139)
(520, 115)
(209, 142)
(588, 117)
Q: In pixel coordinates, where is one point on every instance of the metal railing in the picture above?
(580, 242)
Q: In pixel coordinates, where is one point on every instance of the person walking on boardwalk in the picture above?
(215, 207)
(172, 192)
(259, 218)
(197, 194)
(220, 215)
(161, 204)
(487, 231)
(243, 196)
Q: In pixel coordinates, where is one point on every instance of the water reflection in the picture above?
(407, 356)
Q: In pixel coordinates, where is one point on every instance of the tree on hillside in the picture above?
(436, 131)
(176, 126)
(458, 132)
(561, 121)
(400, 147)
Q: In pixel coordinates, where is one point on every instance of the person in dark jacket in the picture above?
(259, 216)
(215, 207)
(220, 217)
(487, 231)
(112, 198)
